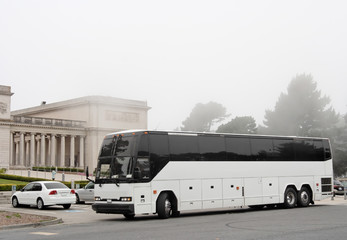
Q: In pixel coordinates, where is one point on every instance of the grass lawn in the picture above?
(7, 181)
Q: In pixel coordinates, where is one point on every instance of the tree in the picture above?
(338, 139)
(301, 111)
(203, 116)
(243, 125)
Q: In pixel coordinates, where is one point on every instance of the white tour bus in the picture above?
(145, 172)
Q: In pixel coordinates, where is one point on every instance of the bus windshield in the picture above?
(116, 158)
(115, 168)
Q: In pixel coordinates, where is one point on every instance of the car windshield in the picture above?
(55, 185)
(114, 168)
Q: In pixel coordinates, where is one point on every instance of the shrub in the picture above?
(60, 169)
(21, 178)
(8, 187)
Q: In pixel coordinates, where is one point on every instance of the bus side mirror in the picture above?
(87, 175)
(137, 173)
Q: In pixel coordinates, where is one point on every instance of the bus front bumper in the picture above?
(113, 208)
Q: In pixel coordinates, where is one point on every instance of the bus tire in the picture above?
(290, 198)
(164, 206)
(304, 197)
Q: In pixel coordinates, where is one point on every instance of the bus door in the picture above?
(142, 189)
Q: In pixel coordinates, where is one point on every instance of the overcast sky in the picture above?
(173, 54)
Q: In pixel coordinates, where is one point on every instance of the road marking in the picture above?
(44, 233)
(74, 211)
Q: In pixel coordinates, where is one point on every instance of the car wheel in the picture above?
(78, 201)
(40, 204)
(304, 197)
(15, 202)
(164, 206)
(66, 206)
(290, 198)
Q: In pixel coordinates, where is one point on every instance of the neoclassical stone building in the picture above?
(63, 134)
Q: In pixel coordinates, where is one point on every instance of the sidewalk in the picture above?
(68, 177)
(338, 200)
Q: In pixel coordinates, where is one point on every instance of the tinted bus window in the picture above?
(238, 148)
(304, 150)
(318, 150)
(327, 152)
(107, 147)
(143, 150)
(283, 150)
(125, 145)
(184, 148)
(262, 149)
(159, 152)
(212, 148)
(159, 145)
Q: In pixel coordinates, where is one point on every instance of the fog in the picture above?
(173, 54)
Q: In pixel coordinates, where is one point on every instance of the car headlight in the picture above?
(97, 198)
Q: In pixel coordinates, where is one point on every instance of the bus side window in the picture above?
(327, 152)
(238, 148)
(143, 147)
(283, 149)
(318, 150)
(142, 169)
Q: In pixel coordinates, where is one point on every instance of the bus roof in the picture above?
(191, 133)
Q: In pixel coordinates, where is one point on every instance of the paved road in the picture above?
(325, 220)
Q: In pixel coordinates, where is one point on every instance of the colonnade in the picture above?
(42, 149)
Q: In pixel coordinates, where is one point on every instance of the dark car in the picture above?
(338, 187)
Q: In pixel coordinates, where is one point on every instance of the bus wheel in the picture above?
(164, 206)
(304, 197)
(290, 197)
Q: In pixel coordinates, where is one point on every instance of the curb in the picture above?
(39, 224)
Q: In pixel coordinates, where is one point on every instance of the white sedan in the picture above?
(42, 194)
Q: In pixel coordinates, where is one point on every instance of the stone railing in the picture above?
(48, 121)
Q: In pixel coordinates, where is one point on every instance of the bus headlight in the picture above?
(97, 198)
(125, 199)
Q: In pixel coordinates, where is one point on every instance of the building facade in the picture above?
(63, 134)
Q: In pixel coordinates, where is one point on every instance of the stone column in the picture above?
(11, 149)
(32, 149)
(53, 149)
(38, 151)
(27, 153)
(43, 150)
(81, 163)
(16, 162)
(21, 149)
(72, 151)
(48, 151)
(62, 151)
